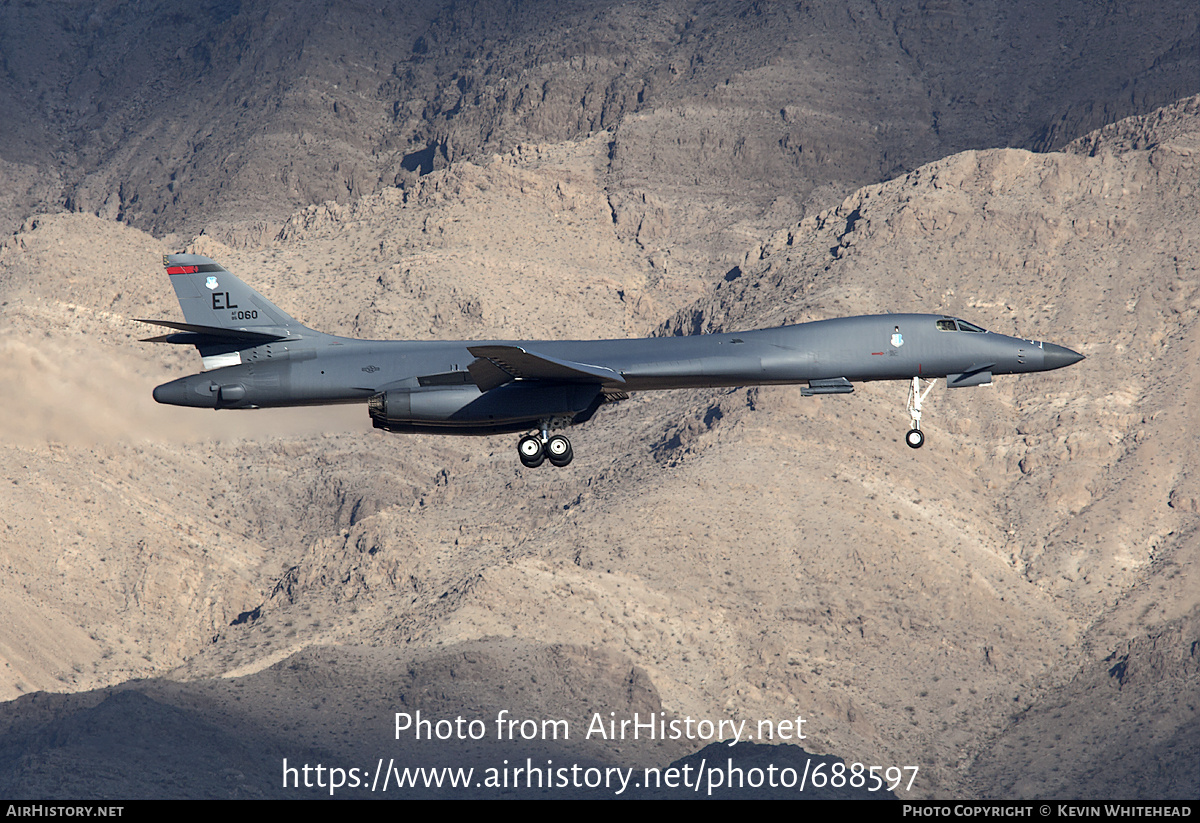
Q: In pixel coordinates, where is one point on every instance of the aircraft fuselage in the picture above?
(259, 357)
(328, 369)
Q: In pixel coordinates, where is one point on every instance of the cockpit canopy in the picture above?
(949, 324)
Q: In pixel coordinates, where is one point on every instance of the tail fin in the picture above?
(223, 314)
(211, 296)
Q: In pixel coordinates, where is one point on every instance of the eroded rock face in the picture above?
(667, 544)
(729, 554)
(231, 115)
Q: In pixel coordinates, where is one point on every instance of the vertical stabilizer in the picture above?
(224, 317)
(211, 296)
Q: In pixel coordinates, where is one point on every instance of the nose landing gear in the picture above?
(914, 437)
(534, 449)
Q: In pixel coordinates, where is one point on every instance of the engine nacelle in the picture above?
(464, 408)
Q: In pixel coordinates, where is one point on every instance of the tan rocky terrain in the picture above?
(728, 117)
(745, 554)
(192, 597)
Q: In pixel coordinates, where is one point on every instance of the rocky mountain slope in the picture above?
(190, 598)
(734, 554)
(228, 115)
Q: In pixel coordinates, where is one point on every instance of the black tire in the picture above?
(914, 438)
(559, 451)
(531, 451)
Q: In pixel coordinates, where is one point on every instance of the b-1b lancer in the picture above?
(256, 356)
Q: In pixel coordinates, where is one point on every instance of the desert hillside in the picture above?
(191, 597)
(728, 116)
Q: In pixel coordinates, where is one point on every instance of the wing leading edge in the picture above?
(497, 365)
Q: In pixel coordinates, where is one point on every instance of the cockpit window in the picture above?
(946, 324)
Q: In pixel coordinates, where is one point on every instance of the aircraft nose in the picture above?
(1055, 357)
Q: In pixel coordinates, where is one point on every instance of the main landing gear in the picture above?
(914, 437)
(536, 448)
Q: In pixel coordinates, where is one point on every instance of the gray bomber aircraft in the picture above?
(256, 356)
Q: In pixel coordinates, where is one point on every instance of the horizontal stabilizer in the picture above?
(498, 365)
(261, 334)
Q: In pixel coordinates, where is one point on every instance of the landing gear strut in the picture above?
(533, 449)
(914, 437)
